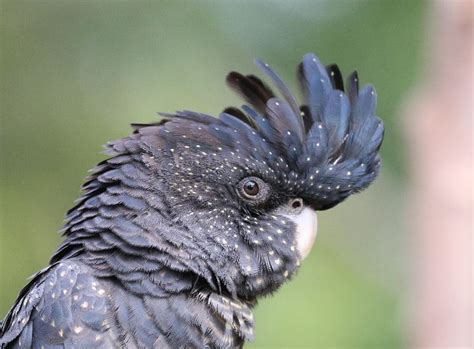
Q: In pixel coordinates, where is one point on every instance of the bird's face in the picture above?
(245, 187)
(253, 212)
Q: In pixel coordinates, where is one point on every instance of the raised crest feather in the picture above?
(332, 136)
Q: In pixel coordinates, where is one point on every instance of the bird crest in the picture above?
(325, 147)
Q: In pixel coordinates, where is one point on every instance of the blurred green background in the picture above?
(74, 74)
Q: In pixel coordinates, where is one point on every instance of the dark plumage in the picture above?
(190, 220)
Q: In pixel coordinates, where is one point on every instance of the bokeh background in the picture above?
(75, 74)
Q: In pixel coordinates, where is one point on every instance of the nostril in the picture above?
(296, 204)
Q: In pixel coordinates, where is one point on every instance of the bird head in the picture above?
(233, 199)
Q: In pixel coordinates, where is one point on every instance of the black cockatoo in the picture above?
(193, 218)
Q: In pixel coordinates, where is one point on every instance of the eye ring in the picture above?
(253, 189)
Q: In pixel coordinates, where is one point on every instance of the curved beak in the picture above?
(306, 222)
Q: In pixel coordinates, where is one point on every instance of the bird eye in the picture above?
(253, 189)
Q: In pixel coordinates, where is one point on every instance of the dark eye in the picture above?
(253, 189)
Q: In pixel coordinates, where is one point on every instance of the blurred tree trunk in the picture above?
(439, 124)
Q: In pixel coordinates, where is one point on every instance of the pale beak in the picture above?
(306, 222)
